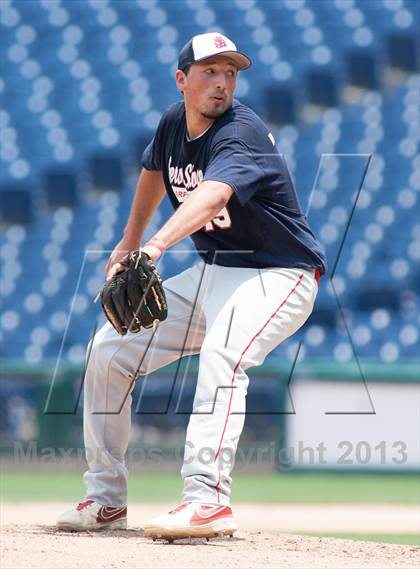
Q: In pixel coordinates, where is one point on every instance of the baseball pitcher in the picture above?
(254, 286)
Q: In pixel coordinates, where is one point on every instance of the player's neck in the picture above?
(189, 139)
(197, 124)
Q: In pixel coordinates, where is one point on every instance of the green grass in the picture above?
(272, 488)
(401, 538)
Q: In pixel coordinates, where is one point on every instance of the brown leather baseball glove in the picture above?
(134, 297)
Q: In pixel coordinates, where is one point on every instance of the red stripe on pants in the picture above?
(236, 368)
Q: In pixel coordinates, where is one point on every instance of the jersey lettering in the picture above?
(189, 177)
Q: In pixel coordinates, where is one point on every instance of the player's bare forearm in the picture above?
(202, 205)
(150, 192)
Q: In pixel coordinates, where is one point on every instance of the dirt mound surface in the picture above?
(29, 540)
(33, 547)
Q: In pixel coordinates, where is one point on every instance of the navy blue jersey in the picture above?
(263, 224)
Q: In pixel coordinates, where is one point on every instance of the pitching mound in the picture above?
(29, 545)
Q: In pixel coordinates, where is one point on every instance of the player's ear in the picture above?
(180, 80)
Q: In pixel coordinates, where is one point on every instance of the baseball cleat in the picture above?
(192, 519)
(91, 516)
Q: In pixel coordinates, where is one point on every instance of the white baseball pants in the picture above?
(233, 317)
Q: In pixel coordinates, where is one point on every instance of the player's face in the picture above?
(209, 86)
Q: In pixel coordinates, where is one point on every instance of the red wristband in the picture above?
(157, 243)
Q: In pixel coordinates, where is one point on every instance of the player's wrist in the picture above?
(154, 248)
(156, 243)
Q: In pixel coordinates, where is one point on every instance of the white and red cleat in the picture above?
(192, 519)
(91, 516)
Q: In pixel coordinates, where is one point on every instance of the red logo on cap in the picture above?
(220, 42)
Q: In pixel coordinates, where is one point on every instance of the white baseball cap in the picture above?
(208, 45)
